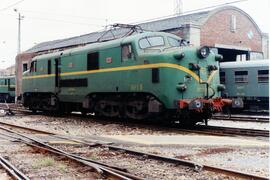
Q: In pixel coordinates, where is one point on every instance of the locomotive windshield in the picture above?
(159, 41)
(177, 42)
(154, 41)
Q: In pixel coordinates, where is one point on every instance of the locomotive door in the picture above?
(57, 75)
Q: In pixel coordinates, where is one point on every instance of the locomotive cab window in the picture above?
(93, 61)
(33, 67)
(263, 76)
(149, 42)
(127, 52)
(241, 76)
(174, 42)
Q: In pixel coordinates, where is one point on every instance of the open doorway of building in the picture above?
(233, 54)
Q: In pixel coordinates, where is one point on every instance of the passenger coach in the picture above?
(247, 80)
(7, 89)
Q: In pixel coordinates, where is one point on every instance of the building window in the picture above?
(233, 23)
(222, 77)
(263, 76)
(25, 67)
(241, 76)
(127, 52)
(93, 61)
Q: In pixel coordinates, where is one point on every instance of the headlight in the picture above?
(195, 104)
(203, 52)
(237, 103)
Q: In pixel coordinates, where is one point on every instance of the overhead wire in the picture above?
(98, 25)
(11, 5)
(60, 14)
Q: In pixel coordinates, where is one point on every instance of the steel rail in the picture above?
(101, 169)
(12, 170)
(51, 133)
(197, 167)
(221, 131)
(27, 128)
(241, 118)
(233, 131)
(202, 129)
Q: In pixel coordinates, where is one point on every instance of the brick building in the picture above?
(10, 71)
(227, 30)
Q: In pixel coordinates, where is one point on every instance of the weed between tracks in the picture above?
(49, 162)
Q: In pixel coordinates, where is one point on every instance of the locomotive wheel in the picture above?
(107, 108)
(136, 108)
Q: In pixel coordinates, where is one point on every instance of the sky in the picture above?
(45, 20)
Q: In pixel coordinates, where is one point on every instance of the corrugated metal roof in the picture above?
(157, 25)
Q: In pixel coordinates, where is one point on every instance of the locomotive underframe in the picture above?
(254, 103)
(136, 106)
(6, 97)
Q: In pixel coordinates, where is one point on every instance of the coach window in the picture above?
(241, 76)
(222, 78)
(49, 66)
(93, 61)
(263, 76)
(127, 52)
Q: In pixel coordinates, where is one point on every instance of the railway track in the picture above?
(112, 170)
(200, 129)
(105, 170)
(216, 130)
(260, 119)
(12, 170)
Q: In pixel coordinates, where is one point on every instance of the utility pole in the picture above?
(20, 17)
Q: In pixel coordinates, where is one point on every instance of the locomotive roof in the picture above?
(244, 64)
(103, 45)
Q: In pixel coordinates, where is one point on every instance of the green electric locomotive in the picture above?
(7, 89)
(138, 76)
